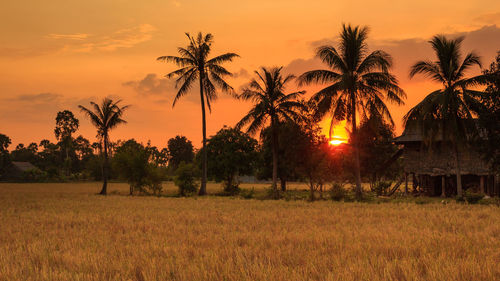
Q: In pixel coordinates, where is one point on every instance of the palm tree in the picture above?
(195, 65)
(270, 102)
(105, 118)
(448, 111)
(359, 84)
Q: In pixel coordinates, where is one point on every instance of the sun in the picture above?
(337, 142)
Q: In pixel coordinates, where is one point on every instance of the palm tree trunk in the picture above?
(274, 137)
(359, 190)
(105, 167)
(203, 188)
(458, 171)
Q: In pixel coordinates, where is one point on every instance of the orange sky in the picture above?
(57, 54)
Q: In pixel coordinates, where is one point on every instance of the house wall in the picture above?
(441, 161)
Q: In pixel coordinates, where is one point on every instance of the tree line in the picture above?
(357, 86)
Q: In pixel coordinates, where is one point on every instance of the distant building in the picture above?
(17, 170)
(433, 169)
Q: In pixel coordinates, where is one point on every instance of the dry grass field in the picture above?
(65, 232)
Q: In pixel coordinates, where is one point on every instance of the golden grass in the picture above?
(65, 232)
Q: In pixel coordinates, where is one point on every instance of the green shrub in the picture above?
(381, 187)
(337, 192)
(185, 176)
(472, 197)
(247, 193)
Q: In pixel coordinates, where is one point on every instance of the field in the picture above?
(66, 232)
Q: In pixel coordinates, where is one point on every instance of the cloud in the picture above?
(491, 18)
(38, 98)
(151, 84)
(76, 36)
(242, 73)
(83, 43)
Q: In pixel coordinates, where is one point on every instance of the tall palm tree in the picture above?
(105, 117)
(270, 103)
(195, 65)
(448, 111)
(359, 84)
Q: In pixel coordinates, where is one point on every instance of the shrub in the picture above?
(247, 193)
(185, 176)
(472, 197)
(337, 192)
(381, 187)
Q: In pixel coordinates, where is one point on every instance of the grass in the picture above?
(65, 232)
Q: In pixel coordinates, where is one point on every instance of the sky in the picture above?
(58, 54)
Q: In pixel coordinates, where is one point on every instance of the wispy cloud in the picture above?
(123, 38)
(75, 36)
(55, 43)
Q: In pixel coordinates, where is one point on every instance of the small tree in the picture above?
(231, 153)
(185, 177)
(4, 153)
(180, 149)
(131, 161)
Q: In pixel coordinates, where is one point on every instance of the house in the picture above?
(17, 170)
(433, 167)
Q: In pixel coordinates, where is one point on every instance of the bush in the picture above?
(472, 197)
(247, 193)
(337, 192)
(34, 175)
(381, 187)
(185, 176)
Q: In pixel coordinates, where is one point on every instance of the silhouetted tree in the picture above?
(105, 117)
(359, 84)
(489, 116)
(448, 112)
(4, 153)
(195, 65)
(231, 153)
(292, 141)
(132, 161)
(180, 149)
(267, 92)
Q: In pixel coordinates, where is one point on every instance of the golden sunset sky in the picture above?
(57, 54)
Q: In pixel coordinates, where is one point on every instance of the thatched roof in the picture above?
(23, 166)
(413, 133)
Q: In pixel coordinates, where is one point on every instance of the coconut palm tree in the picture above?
(105, 117)
(196, 66)
(448, 112)
(267, 92)
(359, 84)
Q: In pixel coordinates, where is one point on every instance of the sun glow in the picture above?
(336, 142)
(339, 134)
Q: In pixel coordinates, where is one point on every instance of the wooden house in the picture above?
(432, 168)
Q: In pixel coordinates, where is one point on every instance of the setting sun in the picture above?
(337, 142)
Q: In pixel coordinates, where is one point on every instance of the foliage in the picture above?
(231, 153)
(292, 143)
(472, 197)
(185, 177)
(489, 116)
(381, 187)
(4, 153)
(337, 192)
(131, 160)
(376, 149)
(359, 83)
(180, 149)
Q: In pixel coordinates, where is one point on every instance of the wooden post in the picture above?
(443, 186)
(406, 183)
(481, 184)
